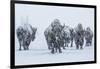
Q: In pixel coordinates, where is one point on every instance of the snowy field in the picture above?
(41, 55)
(41, 17)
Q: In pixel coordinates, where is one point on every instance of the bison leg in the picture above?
(81, 47)
(59, 50)
(25, 47)
(90, 42)
(55, 49)
(58, 46)
(71, 43)
(81, 44)
(77, 46)
(52, 51)
(20, 46)
(87, 43)
(66, 44)
(49, 46)
(64, 47)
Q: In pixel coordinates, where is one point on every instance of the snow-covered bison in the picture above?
(25, 35)
(47, 32)
(58, 36)
(67, 35)
(79, 36)
(53, 36)
(88, 36)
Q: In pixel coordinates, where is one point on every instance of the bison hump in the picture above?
(28, 28)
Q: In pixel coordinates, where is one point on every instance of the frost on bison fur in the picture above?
(66, 35)
(79, 36)
(58, 36)
(48, 39)
(53, 36)
(88, 36)
(25, 35)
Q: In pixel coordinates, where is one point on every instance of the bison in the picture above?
(53, 38)
(88, 36)
(25, 35)
(66, 35)
(79, 36)
(60, 36)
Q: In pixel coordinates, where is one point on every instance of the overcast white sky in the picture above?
(42, 16)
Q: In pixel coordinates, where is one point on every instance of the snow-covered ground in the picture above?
(41, 17)
(41, 55)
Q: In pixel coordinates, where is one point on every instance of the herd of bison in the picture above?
(58, 37)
